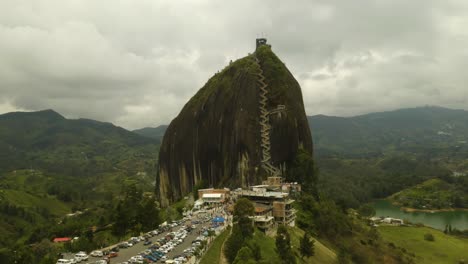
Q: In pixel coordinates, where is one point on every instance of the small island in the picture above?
(434, 195)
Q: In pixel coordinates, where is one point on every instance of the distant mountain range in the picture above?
(47, 139)
(152, 132)
(414, 130)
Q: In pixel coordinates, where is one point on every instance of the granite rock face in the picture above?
(216, 137)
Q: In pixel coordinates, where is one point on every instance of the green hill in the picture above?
(435, 194)
(47, 140)
(444, 249)
(51, 166)
(152, 132)
(422, 130)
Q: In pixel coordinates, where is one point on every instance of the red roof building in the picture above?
(61, 239)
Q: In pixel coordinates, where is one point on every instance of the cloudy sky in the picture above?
(136, 62)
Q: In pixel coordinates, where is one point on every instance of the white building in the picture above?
(213, 198)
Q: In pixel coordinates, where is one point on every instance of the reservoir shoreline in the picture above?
(437, 219)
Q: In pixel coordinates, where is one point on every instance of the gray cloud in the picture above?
(136, 63)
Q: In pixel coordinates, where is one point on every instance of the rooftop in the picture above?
(263, 194)
(212, 195)
(263, 218)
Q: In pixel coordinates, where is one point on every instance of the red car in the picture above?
(113, 254)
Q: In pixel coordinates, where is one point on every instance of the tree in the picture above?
(121, 220)
(256, 251)
(306, 246)
(233, 244)
(245, 226)
(149, 213)
(429, 237)
(243, 256)
(283, 246)
(366, 210)
(243, 207)
(304, 171)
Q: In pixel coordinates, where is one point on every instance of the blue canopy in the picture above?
(218, 219)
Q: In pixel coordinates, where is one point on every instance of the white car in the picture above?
(63, 261)
(97, 253)
(80, 256)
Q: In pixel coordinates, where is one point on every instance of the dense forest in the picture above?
(51, 167)
(352, 182)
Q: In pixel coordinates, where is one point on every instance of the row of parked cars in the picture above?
(158, 250)
(80, 256)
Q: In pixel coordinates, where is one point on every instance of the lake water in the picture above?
(458, 219)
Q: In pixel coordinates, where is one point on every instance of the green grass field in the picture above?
(213, 254)
(444, 249)
(322, 253)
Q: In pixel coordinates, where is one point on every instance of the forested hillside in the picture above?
(152, 132)
(79, 147)
(423, 131)
(51, 166)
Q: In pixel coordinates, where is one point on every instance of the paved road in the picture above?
(126, 253)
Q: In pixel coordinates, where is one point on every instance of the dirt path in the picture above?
(222, 257)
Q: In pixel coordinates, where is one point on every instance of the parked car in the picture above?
(63, 261)
(97, 253)
(80, 256)
(112, 254)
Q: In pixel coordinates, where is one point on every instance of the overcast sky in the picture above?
(135, 63)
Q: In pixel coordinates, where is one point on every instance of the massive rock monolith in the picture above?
(216, 140)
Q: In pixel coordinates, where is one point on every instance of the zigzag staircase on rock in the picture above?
(265, 126)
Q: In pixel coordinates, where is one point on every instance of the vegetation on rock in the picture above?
(216, 136)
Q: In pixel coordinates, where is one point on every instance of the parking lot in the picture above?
(203, 222)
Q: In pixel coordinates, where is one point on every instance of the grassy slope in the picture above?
(322, 253)
(267, 246)
(445, 249)
(213, 254)
(23, 199)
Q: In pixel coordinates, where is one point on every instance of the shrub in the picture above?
(429, 237)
